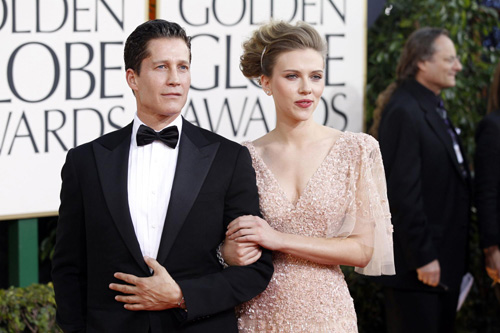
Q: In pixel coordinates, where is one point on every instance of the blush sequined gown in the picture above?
(345, 196)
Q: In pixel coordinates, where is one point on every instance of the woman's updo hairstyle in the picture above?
(272, 39)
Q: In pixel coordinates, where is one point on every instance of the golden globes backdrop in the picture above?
(224, 101)
(62, 83)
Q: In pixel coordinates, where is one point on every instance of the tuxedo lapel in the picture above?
(111, 154)
(196, 155)
(428, 103)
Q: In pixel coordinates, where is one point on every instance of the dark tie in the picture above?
(168, 136)
(454, 138)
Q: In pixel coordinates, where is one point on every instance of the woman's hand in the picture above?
(240, 254)
(250, 228)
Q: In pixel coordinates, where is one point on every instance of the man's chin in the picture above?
(170, 113)
(450, 84)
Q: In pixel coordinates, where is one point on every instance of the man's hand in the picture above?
(154, 293)
(492, 261)
(430, 273)
(240, 254)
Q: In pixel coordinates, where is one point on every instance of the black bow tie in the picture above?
(168, 136)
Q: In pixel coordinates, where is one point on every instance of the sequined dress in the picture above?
(304, 296)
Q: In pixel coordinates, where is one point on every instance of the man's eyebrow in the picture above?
(169, 61)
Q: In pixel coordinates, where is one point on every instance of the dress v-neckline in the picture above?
(304, 191)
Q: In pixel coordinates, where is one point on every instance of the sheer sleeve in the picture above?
(368, 219)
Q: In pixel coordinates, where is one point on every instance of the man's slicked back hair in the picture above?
(136, 46)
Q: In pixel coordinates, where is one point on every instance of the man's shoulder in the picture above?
(402, 102)
(403, 96)
(403, 108)
(210, 136)
(110, 139)
(407, 103)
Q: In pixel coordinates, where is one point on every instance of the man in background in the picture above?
(428, 185)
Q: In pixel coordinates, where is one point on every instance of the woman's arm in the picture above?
(329, 251)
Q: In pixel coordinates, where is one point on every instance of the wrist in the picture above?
(182, 304)
(175, 296)
(278, 241)
(220, 256)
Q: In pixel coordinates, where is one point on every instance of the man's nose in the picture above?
(173, 77)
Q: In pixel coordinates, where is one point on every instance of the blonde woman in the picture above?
(322, 195)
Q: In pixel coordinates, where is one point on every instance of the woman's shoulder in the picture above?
(363, 148)
(362, 140)
(488, 130)
(260, 144)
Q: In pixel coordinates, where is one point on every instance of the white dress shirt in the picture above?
(151, 170)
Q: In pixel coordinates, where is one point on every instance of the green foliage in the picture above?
(368, 302)
(468, 24)
(47, 246)
(30, 309)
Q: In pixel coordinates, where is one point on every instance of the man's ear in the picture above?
(131, 79)
(422, 66)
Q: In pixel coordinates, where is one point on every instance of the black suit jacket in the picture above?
(487, 179)
(428, 195)
(214, 183)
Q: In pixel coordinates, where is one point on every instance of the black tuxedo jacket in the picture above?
(214, 183)
(487, 179)
(428, 195)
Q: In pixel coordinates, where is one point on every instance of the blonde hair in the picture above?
(271, 40)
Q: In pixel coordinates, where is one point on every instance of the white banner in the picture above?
(224, 101)
(62, 83)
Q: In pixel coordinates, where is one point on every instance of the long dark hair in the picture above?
(419, 47)
(494, 97)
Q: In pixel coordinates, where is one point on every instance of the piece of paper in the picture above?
(465, 286)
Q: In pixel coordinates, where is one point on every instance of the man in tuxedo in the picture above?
(428, 186)
(143, 210)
